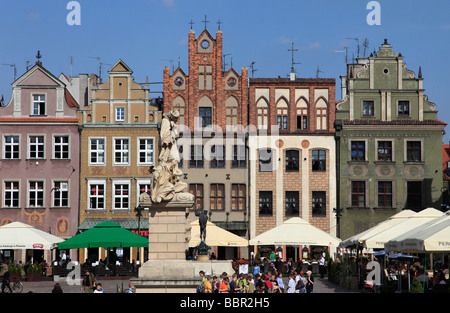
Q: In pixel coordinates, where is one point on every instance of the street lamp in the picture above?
(138, 211)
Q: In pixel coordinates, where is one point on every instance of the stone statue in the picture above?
(166, 184)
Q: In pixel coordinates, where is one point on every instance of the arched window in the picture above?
(262, 111)
(179, 104)
(321, 107)
(302, 114)
(205, 112)
(282, 114)
(231, 107)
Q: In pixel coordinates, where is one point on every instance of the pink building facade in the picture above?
(39, 158)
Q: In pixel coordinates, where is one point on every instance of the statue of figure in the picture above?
(166, 176)
(202, 220)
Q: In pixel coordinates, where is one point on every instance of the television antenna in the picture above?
(365, 45)
(252, 66)
(100, 65)
(293, 62)
(172, 62)
(346, 54)
(357, 40)
(318, 71)
(14, 69)
(224, 64)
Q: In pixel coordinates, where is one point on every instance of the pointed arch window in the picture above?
(231, 107)
(282, 114)
(179, 104)
(321, 107)
(302, 114)
(262, 111)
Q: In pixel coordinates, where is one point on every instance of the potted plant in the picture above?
(34, 273)
(16, 271)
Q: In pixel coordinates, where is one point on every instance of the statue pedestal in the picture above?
(167, 269)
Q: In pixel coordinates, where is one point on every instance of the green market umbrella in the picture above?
(104, 235)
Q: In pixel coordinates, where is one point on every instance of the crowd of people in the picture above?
(257, 282)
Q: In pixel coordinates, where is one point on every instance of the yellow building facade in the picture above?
(119, 145)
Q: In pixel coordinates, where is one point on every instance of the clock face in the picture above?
(231, 81)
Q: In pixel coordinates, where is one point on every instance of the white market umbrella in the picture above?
(378, 240)
(17, 235)
(215, 236)
(295, 232)
(397, 243)
(390, 222)
(435, 238)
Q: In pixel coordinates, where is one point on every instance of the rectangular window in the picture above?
(121, 196)
(302, 118)
(368, 108)
(413, 151)
(319, 158)
(217, 156)
(414, 195)
(11, 194)
(282, 122)
(238, 156)
(36, 194)
(146, 151)
(97, 151)
(96, 196)
(319, 204)
(403, 108)
(385, 194)
(358, 194)
(197, 191)
(11, 147)
(205, 115)
(60, 194)
(292, 203)
(265, 160)
(238, 197)
(120, 114)
(292, 159)
(61, 147)
(358, 150)
(121, 151)
(196, 160)
(38, 104)
(265, 203)
(36, 147)
(384, 151)
(217, 197)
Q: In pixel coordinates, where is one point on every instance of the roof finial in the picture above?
(205, 21)
(38, 57)
(420, 71)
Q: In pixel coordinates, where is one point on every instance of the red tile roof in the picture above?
(70, 100)
(445, 159)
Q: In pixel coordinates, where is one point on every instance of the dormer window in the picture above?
(403, 108)
(38, 104)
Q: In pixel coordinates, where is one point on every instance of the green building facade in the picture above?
(389, 143)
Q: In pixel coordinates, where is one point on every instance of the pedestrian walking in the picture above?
(291, 284)
(309, 282)
(88, 282)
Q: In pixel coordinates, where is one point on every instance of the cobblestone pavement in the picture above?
(322, 285)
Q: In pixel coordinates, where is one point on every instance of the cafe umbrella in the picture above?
(17, 235)
(104, 235)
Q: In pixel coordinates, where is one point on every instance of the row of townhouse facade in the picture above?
(254, 151)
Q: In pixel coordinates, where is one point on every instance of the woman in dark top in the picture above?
(57, 288)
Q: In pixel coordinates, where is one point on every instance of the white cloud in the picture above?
(168, 3)
(284, 40)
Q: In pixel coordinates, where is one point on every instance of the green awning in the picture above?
(104, 235)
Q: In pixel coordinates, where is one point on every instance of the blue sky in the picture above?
(148, 33)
